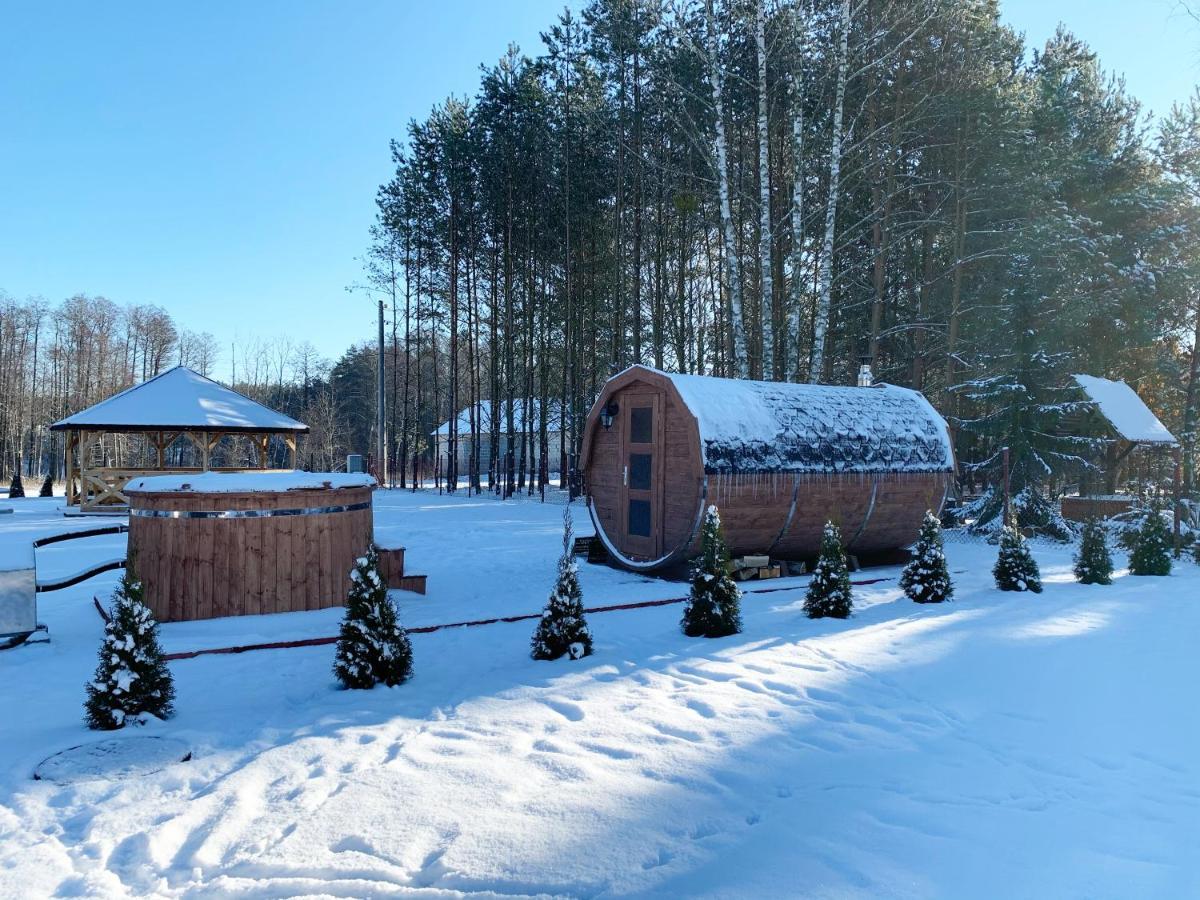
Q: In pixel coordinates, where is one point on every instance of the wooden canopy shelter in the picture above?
(777, 459)
(1113, 412)
(179, 403)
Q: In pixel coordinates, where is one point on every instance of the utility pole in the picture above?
(382, 468)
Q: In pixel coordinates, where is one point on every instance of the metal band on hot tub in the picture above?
(245, 513)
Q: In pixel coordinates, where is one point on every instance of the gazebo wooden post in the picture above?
(291, 445)
(1178, 499)
(261, 442)
(72, 446)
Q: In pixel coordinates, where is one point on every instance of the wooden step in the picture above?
(391, 564)
(414, 583)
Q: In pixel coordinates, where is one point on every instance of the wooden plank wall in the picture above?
(203, 568)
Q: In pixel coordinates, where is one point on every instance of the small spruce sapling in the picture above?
(17, 487)
(562, 629)
(829, 591)
(714, 607)
(1093, 563)
(132, 680)
(926, 579)
(373, 648)
(1151, 545)
(47, 487)
(1016, 569)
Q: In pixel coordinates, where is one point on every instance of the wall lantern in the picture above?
(608, 414)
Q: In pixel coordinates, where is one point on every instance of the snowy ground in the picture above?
(998, 745)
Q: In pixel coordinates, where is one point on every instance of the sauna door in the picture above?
(641, 474)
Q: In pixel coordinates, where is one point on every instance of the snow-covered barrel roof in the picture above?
(770, 426)
(1129, 416)
(180, 399)
(246, 482)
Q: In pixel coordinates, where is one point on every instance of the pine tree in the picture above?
(132, 679)
(1016, 569)
(1152, 545)
(373, 647)
(562, 630)
(829, 591)
(17, 487)
(47, 487)
(1093, 563)
(927, 578)
(714, 608)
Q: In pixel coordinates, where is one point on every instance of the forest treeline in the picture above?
(776, 190)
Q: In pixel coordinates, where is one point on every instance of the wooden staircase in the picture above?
(391, 561)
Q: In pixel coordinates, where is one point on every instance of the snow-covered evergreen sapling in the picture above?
(926, 579)
(1093, 562)
(1016, 569)
(1152, 544)
(714, 607)
(47, 487)
(829, 591)
(17, 487)
(373, 648)
(132, 680)
(562, 629)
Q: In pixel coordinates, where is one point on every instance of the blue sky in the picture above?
(221, 159)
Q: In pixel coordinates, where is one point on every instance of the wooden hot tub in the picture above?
(240, 544)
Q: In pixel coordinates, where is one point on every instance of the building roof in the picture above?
(484, 412)
(774, 426)
(181, 400)
(1124, 410)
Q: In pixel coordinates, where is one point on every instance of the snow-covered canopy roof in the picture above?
(1123, 408)
(183, 400)
(770, 426)
(238, 482)
(483, 416)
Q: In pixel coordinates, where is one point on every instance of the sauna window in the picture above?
(641, 425)
(639, 471)
(639, 518)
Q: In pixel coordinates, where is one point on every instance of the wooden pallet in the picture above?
(591, 547)
(391, 562)
(746, 568)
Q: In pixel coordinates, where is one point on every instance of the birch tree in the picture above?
(825, 259)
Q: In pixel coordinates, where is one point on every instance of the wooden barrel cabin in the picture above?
(777, 459)
(233, 544)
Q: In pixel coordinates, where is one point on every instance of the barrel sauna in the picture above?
(238, 544)
(776, 459)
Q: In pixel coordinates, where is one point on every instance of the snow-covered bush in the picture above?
(1151, 553)
(47, 487)
(373, 648)
(926, 579)
(132, 680)
(714, 606)
(1093, 562)
(17, 487)
(829, 591)
(562, 629)
(1016, 569)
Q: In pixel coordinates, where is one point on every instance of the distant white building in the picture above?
(483, 423)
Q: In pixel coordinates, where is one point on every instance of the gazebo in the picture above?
(179, 403)
(1117, 415)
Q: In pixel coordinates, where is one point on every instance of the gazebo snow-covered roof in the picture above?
(180, 400)
(1119, 405)
(774, 426)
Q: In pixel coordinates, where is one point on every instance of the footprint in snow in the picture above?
(701, 708)
(569, 711)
